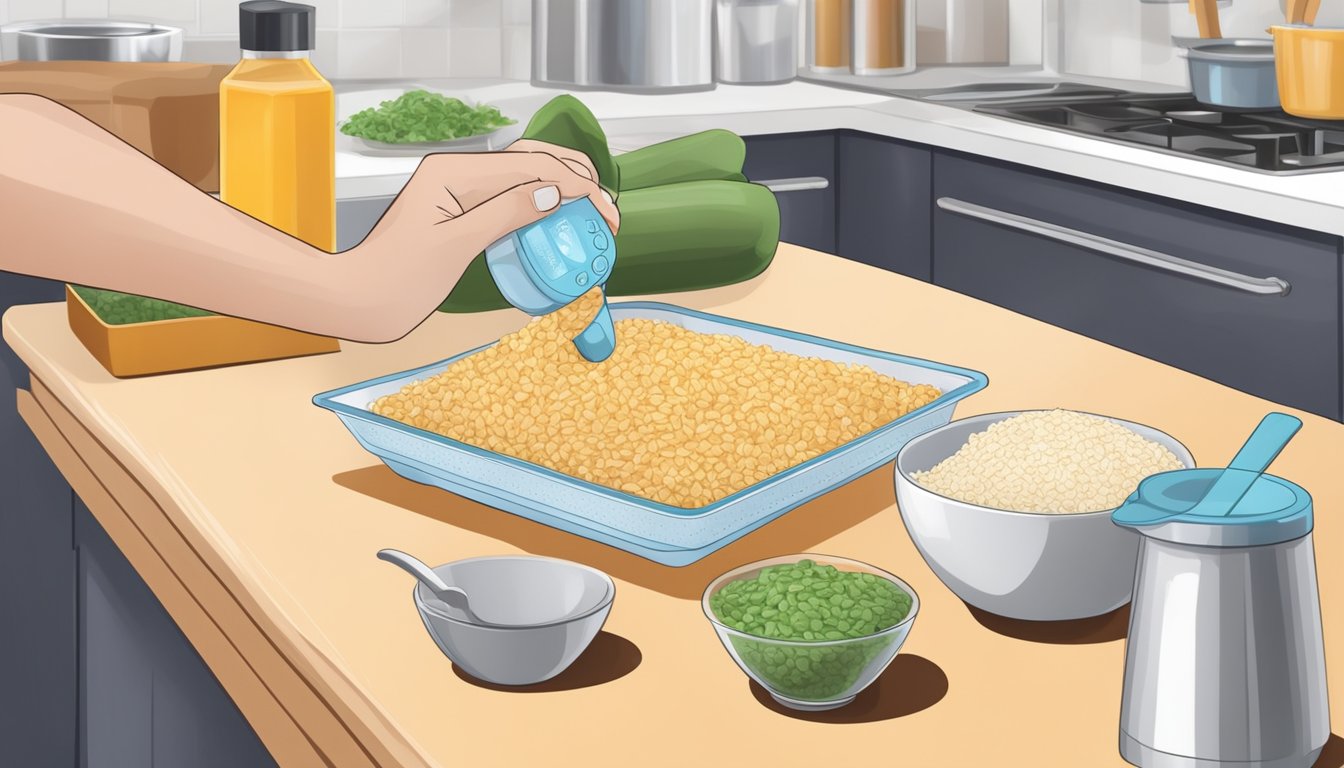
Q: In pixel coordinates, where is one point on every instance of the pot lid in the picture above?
(1232, 49)
(1273, 510)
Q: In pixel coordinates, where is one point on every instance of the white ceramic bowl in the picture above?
(558, 607)
(1022, 565)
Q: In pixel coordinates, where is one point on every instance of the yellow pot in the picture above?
(1309, 63)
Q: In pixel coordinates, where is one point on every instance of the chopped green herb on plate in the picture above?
(422, 116)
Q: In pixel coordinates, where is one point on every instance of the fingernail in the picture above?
(607, 195)
(546, 198)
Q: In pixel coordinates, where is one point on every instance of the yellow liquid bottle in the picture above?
(277, 138)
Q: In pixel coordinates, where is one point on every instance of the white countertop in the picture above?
(1311, 201)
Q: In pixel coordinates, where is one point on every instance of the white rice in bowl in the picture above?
(1053, 462)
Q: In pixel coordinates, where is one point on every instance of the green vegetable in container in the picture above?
(806, 602)
(417, 116)
(123, 308)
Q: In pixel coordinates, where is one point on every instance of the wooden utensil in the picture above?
(1303, 11)
(1206, 13)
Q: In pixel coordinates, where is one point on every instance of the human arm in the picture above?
(79, 205)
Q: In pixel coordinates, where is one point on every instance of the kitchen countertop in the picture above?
(254, 517)
(1312, 201)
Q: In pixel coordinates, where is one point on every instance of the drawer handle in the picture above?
(1261, 286)
(795, 185)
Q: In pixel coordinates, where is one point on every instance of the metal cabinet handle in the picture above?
(1262, 286)
(795, 185)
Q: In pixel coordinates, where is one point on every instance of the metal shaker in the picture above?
(1225, 662)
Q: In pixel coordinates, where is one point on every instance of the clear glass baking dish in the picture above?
(665, 534)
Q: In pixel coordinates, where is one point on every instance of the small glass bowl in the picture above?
(812, 675)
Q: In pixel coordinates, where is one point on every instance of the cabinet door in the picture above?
(1244, 302)
(37, 573)
(146, 696)
(806, 215)
(883, 197)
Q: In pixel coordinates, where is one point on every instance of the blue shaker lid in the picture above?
(545, 265)
(549, 263)
(1273, 510)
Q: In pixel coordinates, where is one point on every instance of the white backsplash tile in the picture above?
(517, 12)
(85, 9)
(212, 49)
(474, 52)
(218, 17)
(424, 52)
(369, 53)
(1025, 25)
(177, 13)
(474, 14)
(327, 56)
(427, 13)
(32, 10)
(328, 13)
(372, 13)
(516, 52)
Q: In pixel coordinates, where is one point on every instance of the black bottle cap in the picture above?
(271, 25)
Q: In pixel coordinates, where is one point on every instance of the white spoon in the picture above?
(452, 596)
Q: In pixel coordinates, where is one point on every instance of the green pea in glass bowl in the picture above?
(813, 630)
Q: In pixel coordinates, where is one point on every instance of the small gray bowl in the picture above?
(554, 609)
(1022, 565)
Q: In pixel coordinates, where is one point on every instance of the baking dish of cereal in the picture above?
(699, 430)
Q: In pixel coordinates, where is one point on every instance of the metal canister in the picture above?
(640, 46)
(883, 37)
(828, 27)
(756, 41)
(1225, 663)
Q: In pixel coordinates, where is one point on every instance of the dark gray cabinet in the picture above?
(806, 216)
(37, 574)
(1241, 301)
(882, 203)
(146, 696)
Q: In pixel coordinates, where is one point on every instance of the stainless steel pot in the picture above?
(1234, 72)
(642, 46)
(73, 40)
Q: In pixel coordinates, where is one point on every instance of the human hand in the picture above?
(452, 208)
(581, 163)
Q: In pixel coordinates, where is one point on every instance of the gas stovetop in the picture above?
(1267, 141)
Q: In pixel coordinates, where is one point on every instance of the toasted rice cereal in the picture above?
(673, 416)
(1057, 461)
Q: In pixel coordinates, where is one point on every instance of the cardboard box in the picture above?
(169, 111)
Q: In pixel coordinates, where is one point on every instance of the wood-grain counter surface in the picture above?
(255, 516)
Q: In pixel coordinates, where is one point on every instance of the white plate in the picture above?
(487, 142)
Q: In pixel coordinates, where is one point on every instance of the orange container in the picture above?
(1309, 64)
(184, 344)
